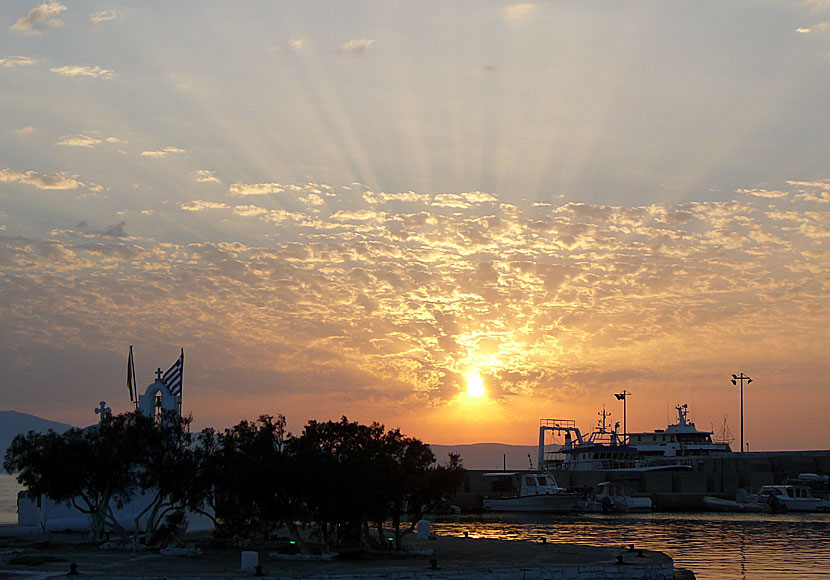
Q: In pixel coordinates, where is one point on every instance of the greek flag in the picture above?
(173, 377)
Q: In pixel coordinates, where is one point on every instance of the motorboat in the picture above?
(610, 497)
(791, 498)
(526, 491)
(743, 502)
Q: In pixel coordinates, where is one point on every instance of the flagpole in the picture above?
(181, 391)
(135, 385)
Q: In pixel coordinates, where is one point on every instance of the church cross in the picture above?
(102, 410)
(158, 375)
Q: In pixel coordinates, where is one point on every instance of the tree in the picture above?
(350, 476)
(251, 472)
(92, 469)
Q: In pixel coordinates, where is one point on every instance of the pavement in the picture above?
(39, 555)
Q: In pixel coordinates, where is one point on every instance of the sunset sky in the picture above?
(362, 207)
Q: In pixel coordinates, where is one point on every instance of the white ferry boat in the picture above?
(673, 448)
(680, 440)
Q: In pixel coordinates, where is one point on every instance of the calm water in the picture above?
(8, 498)
(715, 546)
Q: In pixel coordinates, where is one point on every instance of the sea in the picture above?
(713, 546)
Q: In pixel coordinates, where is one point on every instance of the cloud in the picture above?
(200, 205)
(27, 130)
(519, 11)
(205, 176)
(462, 200)
(763, 193)
(820, 27)
(84, 71)
(818, 5)
(13, 61)
(249, 210)
(85, 140)
(486, 68)
(163, 152)
(240, 188)
(40, 18)
(357, 46)
(355, 215)
(115, 231)
(40, 180)
(104, 16)
(295, 44)
(407, 196)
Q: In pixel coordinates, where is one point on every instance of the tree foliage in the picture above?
(342, 478)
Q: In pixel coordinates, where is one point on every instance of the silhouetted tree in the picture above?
(93, 469)
(252, 473)
(350, 476)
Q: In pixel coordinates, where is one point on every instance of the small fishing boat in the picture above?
(610, 497)
(526, 491)
(743, 502)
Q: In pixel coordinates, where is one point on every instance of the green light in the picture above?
(292, 542)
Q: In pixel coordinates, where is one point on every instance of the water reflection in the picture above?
(715, 546)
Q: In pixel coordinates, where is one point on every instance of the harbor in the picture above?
(676, 469)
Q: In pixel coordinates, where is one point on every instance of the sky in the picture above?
(456, 218)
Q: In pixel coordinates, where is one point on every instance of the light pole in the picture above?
(622, 397)
(735, 380)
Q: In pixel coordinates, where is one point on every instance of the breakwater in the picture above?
(720, 476)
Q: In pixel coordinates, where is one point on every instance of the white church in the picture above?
(163, 395)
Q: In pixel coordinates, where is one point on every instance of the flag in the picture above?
(173, 377)
(131, 375)
(620, 396)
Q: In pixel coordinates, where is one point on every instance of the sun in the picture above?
(475, 385)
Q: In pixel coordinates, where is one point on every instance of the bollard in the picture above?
(620, 560)
(258, 570)
(466, 534)
(640, 553)
(73, 569)
(433, 564)
(544, 540)
(249, 561)
(424, 528)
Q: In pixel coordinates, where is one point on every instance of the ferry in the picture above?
(673, 448)
(682, 439)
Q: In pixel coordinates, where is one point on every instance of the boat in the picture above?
(602, 450)
(676, 442)
(790, 498)
(743, 503)
(610, 497)
(526, 491)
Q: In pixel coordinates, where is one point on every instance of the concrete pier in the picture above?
(441, 558)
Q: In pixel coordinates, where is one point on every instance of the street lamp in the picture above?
(735, 380)
(622, 397)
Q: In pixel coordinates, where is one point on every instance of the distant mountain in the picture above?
(495, 456)
(14, 422)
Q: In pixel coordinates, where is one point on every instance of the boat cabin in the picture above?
(520, 484)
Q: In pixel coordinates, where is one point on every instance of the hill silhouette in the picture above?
(15, 422)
